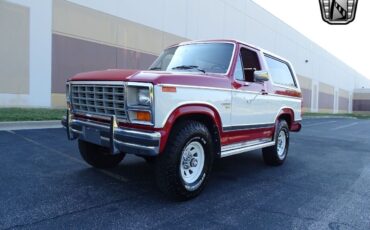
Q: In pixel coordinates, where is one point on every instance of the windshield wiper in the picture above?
(189, 67)
(155, 68)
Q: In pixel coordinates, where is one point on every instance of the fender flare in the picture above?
(189, 109)
(286, 111)
(294, 126)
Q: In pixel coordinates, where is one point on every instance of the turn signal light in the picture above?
(143, 116)
(168, 89)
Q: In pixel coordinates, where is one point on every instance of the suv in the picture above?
(199, 101)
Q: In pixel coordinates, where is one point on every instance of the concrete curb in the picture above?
(327, 117)
(21, 125)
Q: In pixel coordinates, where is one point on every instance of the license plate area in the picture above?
(92, 135)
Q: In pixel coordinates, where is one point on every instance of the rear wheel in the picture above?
(276, 154)
(98, 156)
(183, 169)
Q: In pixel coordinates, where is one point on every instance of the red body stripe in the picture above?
(246, 135)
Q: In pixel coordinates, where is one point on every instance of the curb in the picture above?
(327, 117)
(24, 125)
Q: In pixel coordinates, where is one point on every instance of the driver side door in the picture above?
(251, 115)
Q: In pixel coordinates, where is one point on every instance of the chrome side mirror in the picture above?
(261, 76)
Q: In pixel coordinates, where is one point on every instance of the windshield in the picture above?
(198, 57)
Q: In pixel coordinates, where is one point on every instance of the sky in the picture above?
(350, 43)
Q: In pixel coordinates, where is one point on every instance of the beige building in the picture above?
(43, 43)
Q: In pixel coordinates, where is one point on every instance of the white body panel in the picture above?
(166, 102)
(253, 108)
(235, 107)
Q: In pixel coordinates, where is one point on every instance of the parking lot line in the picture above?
(345, 126)
(319, 123)
(105, 172)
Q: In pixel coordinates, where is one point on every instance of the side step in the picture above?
(234, 149)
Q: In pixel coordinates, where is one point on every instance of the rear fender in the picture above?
(288, 115)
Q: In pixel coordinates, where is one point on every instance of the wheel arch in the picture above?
(199, 112)
(286, 114)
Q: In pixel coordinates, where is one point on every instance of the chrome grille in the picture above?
(102, 100)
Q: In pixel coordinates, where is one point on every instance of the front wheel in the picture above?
(276, 154)
(98, 156)
(183, 169)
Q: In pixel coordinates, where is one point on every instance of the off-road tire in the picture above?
(271, 154)
(168, 170)
(98, 156)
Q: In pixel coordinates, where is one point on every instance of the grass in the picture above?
(30, 114)
(37, 114)
(354, 115)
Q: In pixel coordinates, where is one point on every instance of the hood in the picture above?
(104, 75)
(154, 77)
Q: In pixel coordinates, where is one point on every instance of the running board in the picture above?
(246, 147)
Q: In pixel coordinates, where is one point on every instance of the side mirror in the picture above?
(261, 76)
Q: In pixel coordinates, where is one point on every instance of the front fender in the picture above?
(186, 110)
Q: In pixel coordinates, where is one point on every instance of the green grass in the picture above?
(36, 114)
(354, 115)
(30, 114)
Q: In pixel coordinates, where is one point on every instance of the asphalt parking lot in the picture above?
(324, 184)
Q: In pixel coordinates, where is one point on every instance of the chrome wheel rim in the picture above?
(281, 144)
(192, 162)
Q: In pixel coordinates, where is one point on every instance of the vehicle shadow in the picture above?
(139, 175)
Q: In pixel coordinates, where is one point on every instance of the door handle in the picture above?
(264, 92)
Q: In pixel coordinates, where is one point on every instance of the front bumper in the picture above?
(113, 137)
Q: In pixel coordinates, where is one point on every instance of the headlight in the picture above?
(144, 97)
(139, 101)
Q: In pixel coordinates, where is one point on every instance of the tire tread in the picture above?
(167, 168)
(269, 154)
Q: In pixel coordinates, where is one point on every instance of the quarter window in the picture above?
(280, 72)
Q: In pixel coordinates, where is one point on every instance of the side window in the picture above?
(280, 72)
(250, 63)
(239, 73)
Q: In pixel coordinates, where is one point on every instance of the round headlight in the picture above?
(144, 97)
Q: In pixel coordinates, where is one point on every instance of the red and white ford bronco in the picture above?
(198, 101)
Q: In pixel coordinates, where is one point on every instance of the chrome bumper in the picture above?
(113, 137)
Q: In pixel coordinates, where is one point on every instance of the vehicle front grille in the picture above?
(102, 100)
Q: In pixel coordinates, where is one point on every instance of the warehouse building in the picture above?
(43, 43)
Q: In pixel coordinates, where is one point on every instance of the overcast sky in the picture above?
(350, 43)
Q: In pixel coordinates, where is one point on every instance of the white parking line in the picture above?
(105, 172)
(319, 123)
(345, 126)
